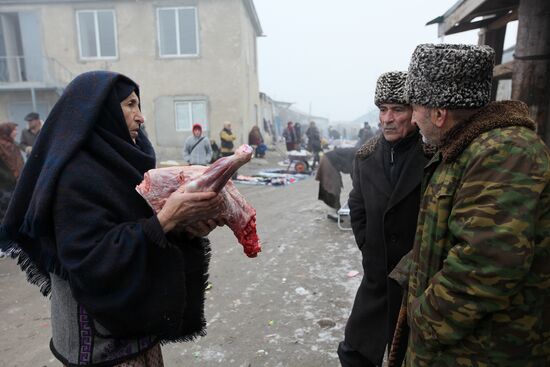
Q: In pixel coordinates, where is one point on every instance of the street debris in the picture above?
(326, 323)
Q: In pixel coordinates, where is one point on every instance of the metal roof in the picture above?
(466, 15)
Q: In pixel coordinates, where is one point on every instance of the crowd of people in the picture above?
(449, 207)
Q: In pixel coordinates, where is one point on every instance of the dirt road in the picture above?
(287, 307)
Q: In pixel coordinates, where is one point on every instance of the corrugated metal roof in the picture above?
(460, 17)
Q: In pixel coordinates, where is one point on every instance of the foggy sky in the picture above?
(328, 54)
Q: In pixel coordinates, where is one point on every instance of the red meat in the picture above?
(239, 215)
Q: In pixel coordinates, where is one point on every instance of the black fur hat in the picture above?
(450, 76)
(390, 88)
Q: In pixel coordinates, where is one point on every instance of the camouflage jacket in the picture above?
(479, 288)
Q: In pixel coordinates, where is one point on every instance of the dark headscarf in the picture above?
(9, 151)
(87, 116)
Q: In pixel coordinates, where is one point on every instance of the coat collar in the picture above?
(372, 155)
(493, 116)
(411, 175)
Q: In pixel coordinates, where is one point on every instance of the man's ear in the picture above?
(440, 116)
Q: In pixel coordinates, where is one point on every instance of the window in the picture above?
(189, 113)
(96, 34)
(177, 31)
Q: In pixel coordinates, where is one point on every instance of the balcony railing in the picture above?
(47, 72)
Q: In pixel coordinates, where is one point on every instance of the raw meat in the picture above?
(158, 184)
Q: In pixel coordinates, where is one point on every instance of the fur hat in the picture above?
(390, 88)
(450, 76)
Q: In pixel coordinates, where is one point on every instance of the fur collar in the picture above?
(494, 115)
(367, 148)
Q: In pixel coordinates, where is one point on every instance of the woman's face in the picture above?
(132, 114)
(13, 133)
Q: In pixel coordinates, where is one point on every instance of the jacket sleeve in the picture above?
(186, 152)
(24, 140)
(493, 224)
(357, 207)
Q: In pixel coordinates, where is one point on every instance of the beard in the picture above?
(434, 138)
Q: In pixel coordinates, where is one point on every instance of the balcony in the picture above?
(21, 73)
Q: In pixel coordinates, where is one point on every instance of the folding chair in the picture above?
(343, 212)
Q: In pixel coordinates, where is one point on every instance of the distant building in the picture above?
(196, 61)
(283, 112)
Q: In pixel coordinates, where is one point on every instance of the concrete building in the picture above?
(195, 60)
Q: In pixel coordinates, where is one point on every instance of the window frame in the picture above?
(190, 101)
(96, 29)
(178, 40)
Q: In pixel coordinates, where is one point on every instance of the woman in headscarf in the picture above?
(121, 278)
(11, 164)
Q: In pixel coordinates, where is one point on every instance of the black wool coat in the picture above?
(384, 223)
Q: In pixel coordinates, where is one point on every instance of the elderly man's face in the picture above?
(422, 117)
(34, 124)
(132, 114)
(395, 121)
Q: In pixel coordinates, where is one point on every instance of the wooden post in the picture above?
(531, 78)
(495, 39)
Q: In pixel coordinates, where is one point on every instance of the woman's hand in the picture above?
(203, 228)
(183, 209)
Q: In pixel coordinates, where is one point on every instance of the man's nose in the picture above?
(413, 119)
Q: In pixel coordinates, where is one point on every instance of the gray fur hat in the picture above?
(450, 76)
(390, 88)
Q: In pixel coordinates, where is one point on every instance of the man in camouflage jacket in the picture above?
(479, 288)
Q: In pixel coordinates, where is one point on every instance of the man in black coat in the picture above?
(383, 202)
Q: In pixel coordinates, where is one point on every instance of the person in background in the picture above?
(227, 140)
(215, 151)
(298, 134)
(365, 133)
(383, 203)
(197, 149)
(28, 136)
(314, 142)
(122, 279)
(255, 140)
(479, 289)
(11, 164)
(333, 133)
(290, 137)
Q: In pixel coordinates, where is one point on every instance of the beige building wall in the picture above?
(224, 73)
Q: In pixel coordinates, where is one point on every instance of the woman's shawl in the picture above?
(75, 213)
